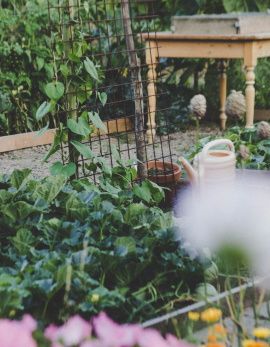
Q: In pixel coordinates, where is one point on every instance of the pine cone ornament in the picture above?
(244, 152)
(198, 106)
(263, 130)
(235, 105)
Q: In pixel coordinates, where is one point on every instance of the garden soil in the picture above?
(32, 158)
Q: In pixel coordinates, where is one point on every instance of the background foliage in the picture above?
(24, 63)
(26, 66)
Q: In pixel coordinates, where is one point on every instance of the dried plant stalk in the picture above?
(137, 88)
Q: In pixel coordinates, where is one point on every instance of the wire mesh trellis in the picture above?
(110, 34)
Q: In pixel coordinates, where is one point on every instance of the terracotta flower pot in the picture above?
(163, 172)
(167, 175)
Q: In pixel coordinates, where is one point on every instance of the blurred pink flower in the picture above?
(93, 343)
(17, 333)
(73, 332)
(29, 323)
(114, 335)
(172, 341)
(151, 337)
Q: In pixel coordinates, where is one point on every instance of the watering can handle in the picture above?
(215, 143)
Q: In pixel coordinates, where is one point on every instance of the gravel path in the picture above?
(32, 158)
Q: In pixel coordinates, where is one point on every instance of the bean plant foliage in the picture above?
(74, 247)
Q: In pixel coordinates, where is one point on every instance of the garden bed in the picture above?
(31, 158)
(69, 248)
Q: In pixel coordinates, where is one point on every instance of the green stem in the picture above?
(197, 138)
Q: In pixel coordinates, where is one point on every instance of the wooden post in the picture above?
(223, 93)
(137, 88)
(71, 101)
(151, 61)
(250, 61)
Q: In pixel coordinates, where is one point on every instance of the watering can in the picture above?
(212, 166)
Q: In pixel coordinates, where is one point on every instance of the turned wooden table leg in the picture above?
(151, 60)
(250, 96)
(223, 93)
(250, 61)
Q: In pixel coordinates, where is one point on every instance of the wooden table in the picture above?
(171, 45)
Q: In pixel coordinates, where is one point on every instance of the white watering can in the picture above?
(212, 166)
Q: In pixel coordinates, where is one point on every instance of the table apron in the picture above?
(200, 49)
(216, 50)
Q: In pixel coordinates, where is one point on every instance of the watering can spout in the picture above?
(192, 174)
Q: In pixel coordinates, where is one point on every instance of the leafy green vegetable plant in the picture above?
(75, 247)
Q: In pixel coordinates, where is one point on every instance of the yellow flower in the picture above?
(95, 298)
(254, 343)
(261, 333)
(211, 315)
(248, 343)
(193, 316)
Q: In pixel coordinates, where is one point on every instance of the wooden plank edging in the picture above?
(32, 139)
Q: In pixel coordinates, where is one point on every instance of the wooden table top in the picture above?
(167, 35)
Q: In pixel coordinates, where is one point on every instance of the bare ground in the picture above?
(32, 158)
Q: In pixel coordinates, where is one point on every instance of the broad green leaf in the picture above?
(40, 63)
(142, 192)
(84, 150)
(115, 153)
(66, 170)
(18, 211)
(60, 137)
(46, 286)
(91, 68)
(156, 191)
(5, 196)
(107, 187)
(65, 70)
(80, 127)
(43, 130)
(76, 208)
(97, 122)
(103, 98)
(55, 90)
(43, 109)
(125, 245)
(18, 177)
(23, 240)
(49, 188)
(133, 213)
(86, 6)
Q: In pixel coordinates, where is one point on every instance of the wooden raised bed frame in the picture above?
(32, 139)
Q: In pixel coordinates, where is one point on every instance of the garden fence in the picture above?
(107, 36)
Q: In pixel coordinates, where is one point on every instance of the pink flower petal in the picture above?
(114, 335)
(29, 323)
(73, 332)
(150, 338)
(14, 334)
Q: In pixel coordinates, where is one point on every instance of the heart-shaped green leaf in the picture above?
(80, 127)
(66, 170)
(43, 109)
(103, 98)
(84, 150)
(91, 69)
(55, 90)
(97, 122)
